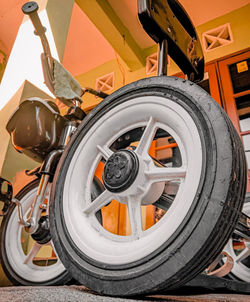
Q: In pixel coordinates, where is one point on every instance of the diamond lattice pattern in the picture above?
(217, 37)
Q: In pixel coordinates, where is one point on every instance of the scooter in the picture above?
(198, 185)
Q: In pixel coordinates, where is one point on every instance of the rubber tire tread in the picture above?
(238, 196)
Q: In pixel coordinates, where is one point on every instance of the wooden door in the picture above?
(235, 85)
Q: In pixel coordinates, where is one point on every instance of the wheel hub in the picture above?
(120, 170)
(42, 234)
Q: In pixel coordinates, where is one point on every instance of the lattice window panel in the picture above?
(106, 82)
(217, 37)
(152, 63)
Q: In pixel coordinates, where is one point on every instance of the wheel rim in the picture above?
(23, 252)
(152, 113)
(241, 257)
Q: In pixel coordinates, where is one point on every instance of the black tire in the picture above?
(208, 222)
(21, 276)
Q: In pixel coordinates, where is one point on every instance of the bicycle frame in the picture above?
(51, 160)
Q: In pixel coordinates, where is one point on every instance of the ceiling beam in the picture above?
(111, 27)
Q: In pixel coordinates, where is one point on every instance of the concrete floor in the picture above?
(75, 293)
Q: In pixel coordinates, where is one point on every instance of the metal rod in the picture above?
(66, 134)
(98, 93)
(162, 58)
(37, 204)
(21, 219)
(30, 9)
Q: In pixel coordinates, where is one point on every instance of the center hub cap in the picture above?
(120, 170)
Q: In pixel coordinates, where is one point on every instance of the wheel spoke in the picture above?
(102, 200)
(157, 174)
(243, 255)
(105, 151)
(147, 138)
(135, 218)
(34, 250)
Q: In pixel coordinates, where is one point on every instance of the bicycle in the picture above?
(199, 185)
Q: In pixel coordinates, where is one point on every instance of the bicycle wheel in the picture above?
(240, 252)
(24, 261)
(198, 191)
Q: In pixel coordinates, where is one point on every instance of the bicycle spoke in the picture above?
(102, 200)
(135, 218)
(243, 255)
(32, 253)
(165, 174)
(147, 138)
(105, 151)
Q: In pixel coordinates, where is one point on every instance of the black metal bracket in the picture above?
(6, 193)
(162, 58)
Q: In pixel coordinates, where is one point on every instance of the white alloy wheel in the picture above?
(25, 261)
(241, 256)
(149, 112)
(189, 182)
